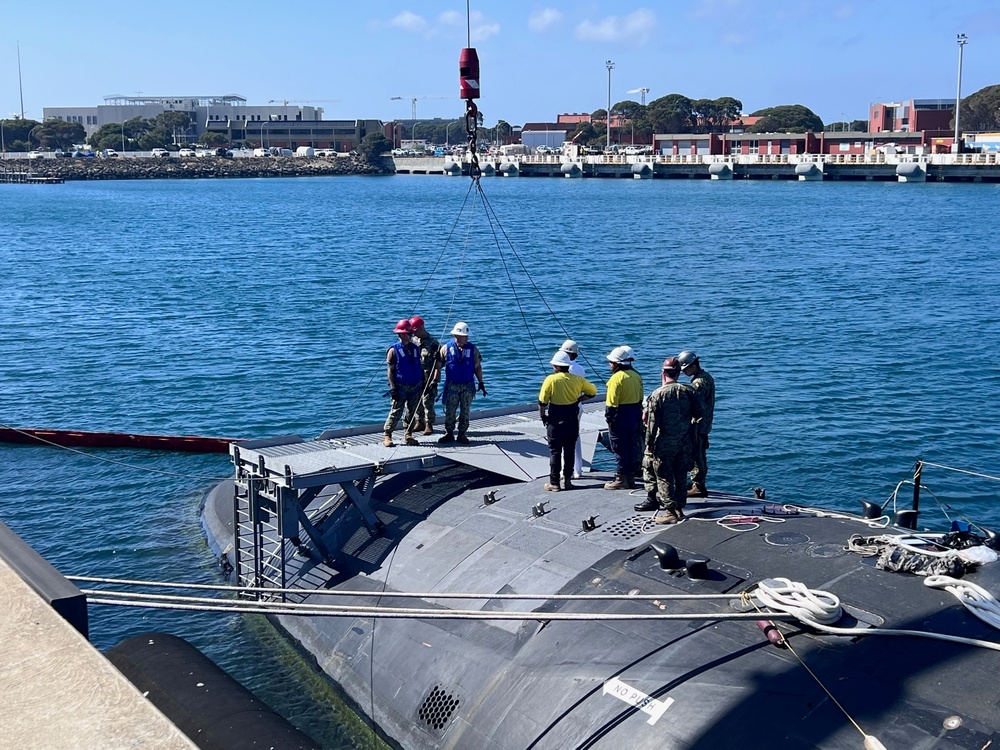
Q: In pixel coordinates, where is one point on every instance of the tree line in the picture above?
(673, 113)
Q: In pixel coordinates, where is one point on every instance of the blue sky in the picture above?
(538, 58)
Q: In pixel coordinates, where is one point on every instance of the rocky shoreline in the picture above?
(126, 168)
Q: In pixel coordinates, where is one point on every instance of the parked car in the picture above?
(60, 154)
(186, 153)
(161, 153)
(82, 154)
(109, 153)
(36, 154)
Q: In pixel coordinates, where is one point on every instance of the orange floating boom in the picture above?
(79, 438)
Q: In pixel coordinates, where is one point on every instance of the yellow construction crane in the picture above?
(413, 101)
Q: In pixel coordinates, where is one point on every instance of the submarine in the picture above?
(457, 604)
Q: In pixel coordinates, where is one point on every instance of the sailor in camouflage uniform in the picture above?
(669, 449)
(462, 363)
(429, 347)
(405, 378)
(704, 385)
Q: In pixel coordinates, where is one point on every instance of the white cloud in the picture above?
(637, 26)
(479, 27)
(545, 19)
(409, 22)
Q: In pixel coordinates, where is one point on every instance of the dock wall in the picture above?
(835, 167)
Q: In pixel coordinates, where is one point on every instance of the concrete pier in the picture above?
(805, 167)
(58, 691)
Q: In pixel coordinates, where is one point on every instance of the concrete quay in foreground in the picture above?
(58, 691)
(801, 167)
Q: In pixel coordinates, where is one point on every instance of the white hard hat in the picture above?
(460, 329)
(569, 346)
(629, 353)
(618, 355)
(561, 358)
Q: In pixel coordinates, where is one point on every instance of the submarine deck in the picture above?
(534, 683)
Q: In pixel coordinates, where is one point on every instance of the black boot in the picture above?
(649, 503)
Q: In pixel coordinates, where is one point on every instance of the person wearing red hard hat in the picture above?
(429, 347)
(669, 453)
(405, 379)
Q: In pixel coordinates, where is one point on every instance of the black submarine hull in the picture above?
(702, 681)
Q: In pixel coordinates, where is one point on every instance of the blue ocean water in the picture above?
(851, 328)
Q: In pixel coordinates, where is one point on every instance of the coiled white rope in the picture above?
(976, 599)
(809, 605)
(815, 608)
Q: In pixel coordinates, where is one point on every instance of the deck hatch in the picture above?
(437, 708)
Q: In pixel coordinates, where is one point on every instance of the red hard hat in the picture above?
(672, 364)
(403, 326)
(416, 322)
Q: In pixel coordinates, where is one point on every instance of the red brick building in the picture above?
(911, 115)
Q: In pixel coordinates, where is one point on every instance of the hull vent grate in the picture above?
(627, 529)
(437, 708)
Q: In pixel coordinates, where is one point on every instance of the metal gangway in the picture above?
(285, 487)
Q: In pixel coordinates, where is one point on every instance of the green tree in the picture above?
(728, 110)
(213, 139)
(56, 133)
(673, 113)
(158, 137)
(178, 124)
(981, 110)
(585, 134)
(786, 118)
(707, 115)
(108, 135)
(373, 146)
(17, 133)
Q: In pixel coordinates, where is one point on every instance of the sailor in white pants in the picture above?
(569, 346)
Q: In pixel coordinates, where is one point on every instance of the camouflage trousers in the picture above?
(457, 404)
(665, 473)
(409, 396)
(700, 470)
(425, 407)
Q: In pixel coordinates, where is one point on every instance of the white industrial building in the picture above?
(202, 110)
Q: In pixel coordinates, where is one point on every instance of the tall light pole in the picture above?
(610, 66)
(447, 133)
(956, 147)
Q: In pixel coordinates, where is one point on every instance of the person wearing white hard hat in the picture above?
(623, 412)
(558, 409)
(573, 350)
(462, 363)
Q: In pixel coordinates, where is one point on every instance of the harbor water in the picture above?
(851, 328)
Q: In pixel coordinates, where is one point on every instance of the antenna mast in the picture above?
(20, 88)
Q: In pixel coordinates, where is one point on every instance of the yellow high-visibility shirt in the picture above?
(625, 387)
(562, 389)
